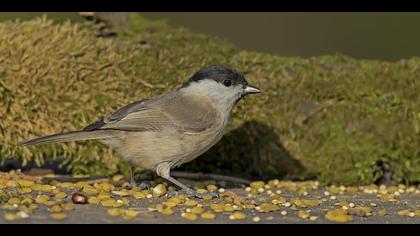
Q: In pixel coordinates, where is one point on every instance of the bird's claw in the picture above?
(172, 194)
(193, 194)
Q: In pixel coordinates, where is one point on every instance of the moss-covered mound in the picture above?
(333, 117)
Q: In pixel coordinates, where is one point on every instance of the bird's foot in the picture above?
(171, 194)
(206, 195)
(142, 186)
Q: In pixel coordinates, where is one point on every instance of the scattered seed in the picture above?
(382, 212)
(197, 210)
(130, 214)
(41, 199)
(313, 218)
(11, 217)
(237, 216)
(159, 190)
(60, 195)
(211, 187)
(189, 216)
(257, 184)
(68, 207)
(303, 214)
(139, 195)
(56, 209)
(58, 216)
(338, 215)
(121, 193)
(167, 211)
(190, 203)
(108, 202)
(208, 215)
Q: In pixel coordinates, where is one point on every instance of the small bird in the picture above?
(163, 132)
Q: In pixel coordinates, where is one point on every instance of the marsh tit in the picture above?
(163, 132)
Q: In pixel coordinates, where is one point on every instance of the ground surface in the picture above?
(272, 202)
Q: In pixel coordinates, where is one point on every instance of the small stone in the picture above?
(22, 215)
(256, 219)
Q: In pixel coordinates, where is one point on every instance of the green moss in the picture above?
(332, 117)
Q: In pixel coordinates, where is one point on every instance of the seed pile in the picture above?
(22, 196)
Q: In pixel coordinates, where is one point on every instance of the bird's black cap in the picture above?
(219, 74)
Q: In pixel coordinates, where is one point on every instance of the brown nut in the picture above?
(78, 198)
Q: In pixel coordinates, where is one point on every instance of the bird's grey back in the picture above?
(173, 109)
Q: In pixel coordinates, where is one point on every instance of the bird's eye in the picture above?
(227, 82)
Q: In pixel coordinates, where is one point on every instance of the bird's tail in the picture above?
(69, 136)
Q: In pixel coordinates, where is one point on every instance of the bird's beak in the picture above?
(249, 89)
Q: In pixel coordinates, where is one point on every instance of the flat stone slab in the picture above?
(97, 214)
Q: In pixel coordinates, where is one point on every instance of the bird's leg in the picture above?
(163, 170)
(132, 180)
(133, 184)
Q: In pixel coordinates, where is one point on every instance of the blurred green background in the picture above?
(385, 36)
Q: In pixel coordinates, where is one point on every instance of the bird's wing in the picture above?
(178, 112)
